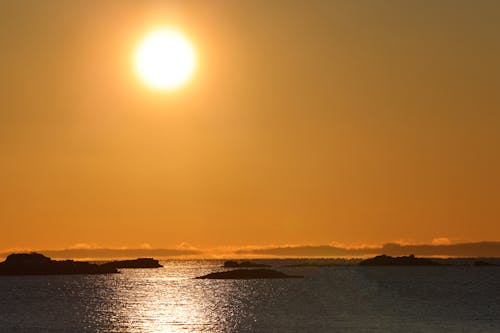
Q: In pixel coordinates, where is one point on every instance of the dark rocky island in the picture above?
(136, 263)
(317, 265)
(242, 264)
(38, 264)
(410, 260)
(483, 263)
(245, 274)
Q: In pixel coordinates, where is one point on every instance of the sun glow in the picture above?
(165, 59)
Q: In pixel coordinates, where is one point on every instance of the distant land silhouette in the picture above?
(478, 249)
(411, 260)
(245, 274)
(462, 250)
(236, 264)
(483, 263)
(322, 264)
(135, 263)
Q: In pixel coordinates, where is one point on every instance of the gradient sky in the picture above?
(307, 122)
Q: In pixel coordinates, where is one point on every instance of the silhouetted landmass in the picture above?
(308, 251)
(135, 263)
(247, 264)
(316, 264)
(477, 250)
(246, 274)
(483, 263)
(319, 262)
(410, 260)
(38, 264)
(459, 250)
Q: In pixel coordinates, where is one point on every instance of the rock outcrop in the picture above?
(38, 264)
(410, 260)
(135, 263)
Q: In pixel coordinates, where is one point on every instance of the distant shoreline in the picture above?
(289, 261)
(485, 249)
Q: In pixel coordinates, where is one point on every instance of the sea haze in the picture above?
(327, 299)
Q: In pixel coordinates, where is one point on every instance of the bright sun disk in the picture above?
(165, 59)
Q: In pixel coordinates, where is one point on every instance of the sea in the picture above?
(328, 299)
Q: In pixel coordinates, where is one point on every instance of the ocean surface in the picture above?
(327, 299)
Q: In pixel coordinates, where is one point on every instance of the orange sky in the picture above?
(307, 122)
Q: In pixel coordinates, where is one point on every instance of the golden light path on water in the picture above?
(159, 302)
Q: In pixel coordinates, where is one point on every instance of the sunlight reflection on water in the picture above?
(181, 304)
(170, 300)
(339, 299)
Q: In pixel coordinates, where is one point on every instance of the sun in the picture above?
(165, 59)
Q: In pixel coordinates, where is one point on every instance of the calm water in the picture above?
(328, 299)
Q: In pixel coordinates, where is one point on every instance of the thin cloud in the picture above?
(184, 246)
(441, 241)
(112, 253)
(85, 246)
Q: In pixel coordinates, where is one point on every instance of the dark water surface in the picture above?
(328, 299)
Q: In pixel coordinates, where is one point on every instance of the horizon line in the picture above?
(483, 249)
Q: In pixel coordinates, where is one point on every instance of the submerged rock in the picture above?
(410, 260)
(248, 274)
(246, 264)
(38, 264)
(135, 263)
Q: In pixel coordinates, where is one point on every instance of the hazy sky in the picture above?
(307, 122)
